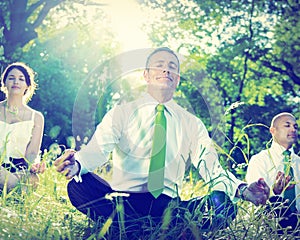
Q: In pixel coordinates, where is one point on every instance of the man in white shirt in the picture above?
(270, 165)
(127, 132)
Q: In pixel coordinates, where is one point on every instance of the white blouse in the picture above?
(14, 138)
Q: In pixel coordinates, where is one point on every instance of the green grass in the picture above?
(46, 213)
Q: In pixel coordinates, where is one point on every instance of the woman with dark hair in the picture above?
(21, 129)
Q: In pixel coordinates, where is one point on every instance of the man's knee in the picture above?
(221, 204)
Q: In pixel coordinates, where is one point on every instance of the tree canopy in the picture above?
(249, 52)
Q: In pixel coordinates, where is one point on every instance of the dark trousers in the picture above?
(279, 208)
(95, 198)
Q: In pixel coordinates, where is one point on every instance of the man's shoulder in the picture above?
(134, 104)
(131, 108)
(264, 152)
(183, 111)
(296, 156)
(262, 157)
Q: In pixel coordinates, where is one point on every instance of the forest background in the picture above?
(240, 67)
(240, 64)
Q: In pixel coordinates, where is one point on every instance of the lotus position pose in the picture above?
(280, 167)
(21, 129)
(152, 140)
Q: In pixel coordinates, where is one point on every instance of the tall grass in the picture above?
(46, 213)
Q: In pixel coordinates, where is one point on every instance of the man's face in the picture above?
(285, 131)
(163, 71)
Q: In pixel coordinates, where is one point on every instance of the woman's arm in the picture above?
(34, 146)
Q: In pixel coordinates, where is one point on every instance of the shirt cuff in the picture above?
(78, 177)
(241, 184)
(82, 169)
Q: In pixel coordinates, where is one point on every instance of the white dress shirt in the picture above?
(127, 131)
(268, 162)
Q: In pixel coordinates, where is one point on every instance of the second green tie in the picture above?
(158, 155)
(289, 194)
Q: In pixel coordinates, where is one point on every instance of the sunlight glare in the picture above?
(127, 18)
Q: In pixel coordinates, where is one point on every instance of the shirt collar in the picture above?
(169, 106)
(278, 149)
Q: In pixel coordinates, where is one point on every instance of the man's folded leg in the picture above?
(89, 196)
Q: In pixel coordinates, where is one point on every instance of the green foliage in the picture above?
(235, 53)
(244, 52)
(67, 49)
(20, 20)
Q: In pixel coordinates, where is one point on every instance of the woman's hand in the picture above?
(38, 167)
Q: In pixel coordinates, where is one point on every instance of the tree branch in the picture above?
(33, 7)
(45, 10)
(289, 72)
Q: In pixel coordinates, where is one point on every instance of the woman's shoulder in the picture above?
(37, 116)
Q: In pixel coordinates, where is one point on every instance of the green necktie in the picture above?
(157, 163)
(288, 170)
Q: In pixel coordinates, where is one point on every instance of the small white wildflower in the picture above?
(233, 106)
(110, 196)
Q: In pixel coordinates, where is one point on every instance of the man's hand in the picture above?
(281, 183)
(257, 192)
(66, 164)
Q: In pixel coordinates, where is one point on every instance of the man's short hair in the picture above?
(162, 49)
